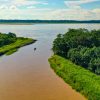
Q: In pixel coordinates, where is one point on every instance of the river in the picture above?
(26, 74)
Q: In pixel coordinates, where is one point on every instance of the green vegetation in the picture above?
(79, 78)
(11, 51)
(80, 46)
(6, 39)
(9, 43)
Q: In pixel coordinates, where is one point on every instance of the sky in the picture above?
(50, 9)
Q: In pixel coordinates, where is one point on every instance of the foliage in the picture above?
(6, 39)
(80, 46)
(13, 43)
(79, 78)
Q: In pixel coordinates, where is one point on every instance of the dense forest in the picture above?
(48, 21)
(6, 39)
(81, 46)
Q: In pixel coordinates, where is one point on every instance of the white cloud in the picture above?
(12, 7)
(37, 13)
(96, 11)
(24, 2)
(2, 7)
(11, 10)
(77, 3)
(73, 14)
(31, 7)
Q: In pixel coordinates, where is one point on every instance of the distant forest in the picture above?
(48, 21)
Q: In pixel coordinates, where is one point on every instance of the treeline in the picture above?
(6, 39)
(81, 46)
(49, 21)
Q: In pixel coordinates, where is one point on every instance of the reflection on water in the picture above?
(26, 74)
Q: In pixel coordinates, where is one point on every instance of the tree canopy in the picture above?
(80, 46)
(6, 39)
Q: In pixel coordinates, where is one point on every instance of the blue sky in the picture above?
(50, 9)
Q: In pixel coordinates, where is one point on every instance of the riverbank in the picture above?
(79, 78)
(13, 47)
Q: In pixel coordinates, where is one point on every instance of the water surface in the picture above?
(26, 74)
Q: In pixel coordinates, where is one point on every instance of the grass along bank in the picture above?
(13, 47)
(82, 80)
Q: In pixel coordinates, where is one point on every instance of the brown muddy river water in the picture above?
(26, 74)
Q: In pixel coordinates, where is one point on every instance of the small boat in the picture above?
(34, 49)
